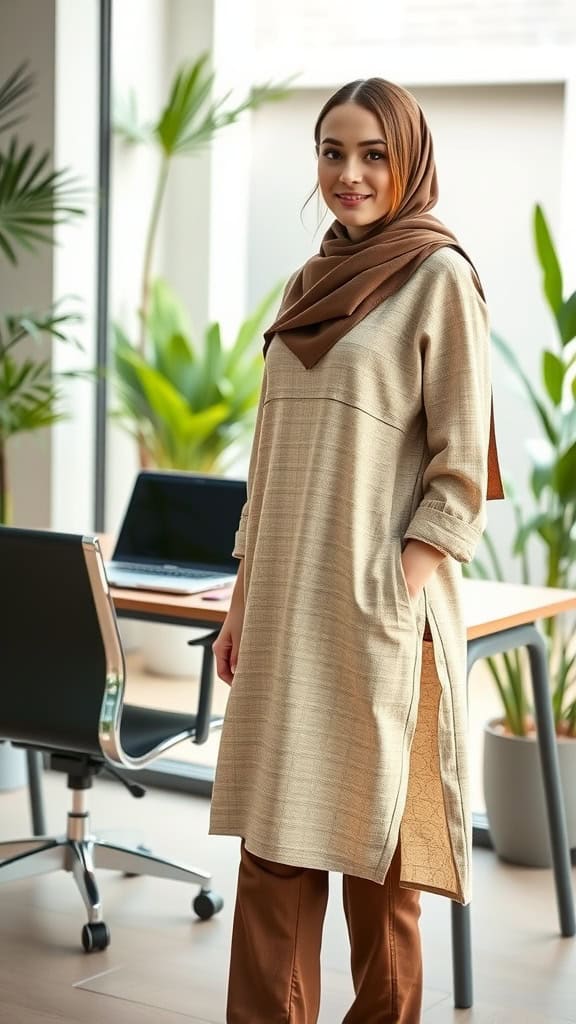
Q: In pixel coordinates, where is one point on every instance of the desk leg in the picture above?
(551, 777)
(462, 957)
(529, 637)
(34, 764)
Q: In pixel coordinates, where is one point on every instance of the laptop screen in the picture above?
(181, 519)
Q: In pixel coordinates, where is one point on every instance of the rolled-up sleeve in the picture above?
(456, 391)
(239, 549)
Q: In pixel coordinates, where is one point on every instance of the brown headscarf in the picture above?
(346, 280)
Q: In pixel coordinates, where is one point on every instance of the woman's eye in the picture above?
(331, 154)
(376, 154)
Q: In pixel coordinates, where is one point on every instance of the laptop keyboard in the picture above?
(165, 570)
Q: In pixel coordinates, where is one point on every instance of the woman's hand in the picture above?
(419, 562)
(227, 644)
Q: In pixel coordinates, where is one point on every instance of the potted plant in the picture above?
(189, 406)
(512, 781)
(188, 123)
(33, 201)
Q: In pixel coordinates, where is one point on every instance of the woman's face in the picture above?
(353, 169)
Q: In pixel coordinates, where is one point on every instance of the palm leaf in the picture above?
(189, 121)
(14, 327)
(13, 91)
(29, 397)
(33, 199)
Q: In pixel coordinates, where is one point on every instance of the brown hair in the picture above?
(389, 103)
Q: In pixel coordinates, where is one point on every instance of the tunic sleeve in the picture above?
(456, 391)
(240, 537)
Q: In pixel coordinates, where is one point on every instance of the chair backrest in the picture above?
(55, 670)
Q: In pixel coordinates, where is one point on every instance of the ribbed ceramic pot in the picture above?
(514, 794)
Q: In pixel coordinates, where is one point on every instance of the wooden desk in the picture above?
(488, 607)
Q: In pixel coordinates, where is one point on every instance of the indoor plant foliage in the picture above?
(189, 406)
(33, 201)
(186, 125)
(551, 522)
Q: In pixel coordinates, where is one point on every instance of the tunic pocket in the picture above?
(398, 603)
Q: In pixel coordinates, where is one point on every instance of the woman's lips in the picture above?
(351, 199)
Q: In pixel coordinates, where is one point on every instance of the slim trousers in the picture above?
(275, 957)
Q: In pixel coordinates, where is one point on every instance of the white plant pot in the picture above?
(514, 794)
(13, 773)
(166, 652)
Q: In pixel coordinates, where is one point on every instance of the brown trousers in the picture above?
(275, 958)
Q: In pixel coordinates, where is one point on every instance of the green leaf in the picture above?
(165, 398)
(14, 327)
(565, 475)
(567, 319)
(190, 90)
(29, 398)
(16, 88)
(167, 315)
(543, 457)
(532, 526)
(212, 374)
(553, 371)
(33, 200)
(548, 261)
(189, 120)
(510, 357)
(252, 328)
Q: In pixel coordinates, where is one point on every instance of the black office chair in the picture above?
(62, 688)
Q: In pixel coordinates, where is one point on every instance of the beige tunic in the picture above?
(344, 730)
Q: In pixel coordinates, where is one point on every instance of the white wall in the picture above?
(186, 261)
(76, 147)
(138, 48)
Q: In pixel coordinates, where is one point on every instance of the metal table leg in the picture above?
(482, 647)
(462, 957)
(551, 777)
(34, 764)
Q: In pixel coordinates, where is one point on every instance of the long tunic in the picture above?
(345, 730)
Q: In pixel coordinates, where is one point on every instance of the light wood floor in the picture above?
(163, 967)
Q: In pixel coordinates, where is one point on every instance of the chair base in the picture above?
(82, 853)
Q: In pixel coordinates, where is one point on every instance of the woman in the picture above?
(344, 745)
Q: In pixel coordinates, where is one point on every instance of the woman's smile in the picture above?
(351, 199)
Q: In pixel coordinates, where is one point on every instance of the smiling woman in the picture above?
(354, 172)
(344, 745)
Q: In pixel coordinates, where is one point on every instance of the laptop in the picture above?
(178, 533)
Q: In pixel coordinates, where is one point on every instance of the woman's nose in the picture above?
(350, 172)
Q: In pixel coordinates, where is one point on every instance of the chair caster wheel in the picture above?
(207, 903)
(95, 936)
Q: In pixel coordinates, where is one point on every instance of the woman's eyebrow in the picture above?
(368, 142)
